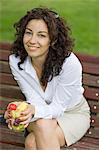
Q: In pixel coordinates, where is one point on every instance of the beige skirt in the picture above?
(75, 122)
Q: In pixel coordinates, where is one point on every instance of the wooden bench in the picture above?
(9, 91)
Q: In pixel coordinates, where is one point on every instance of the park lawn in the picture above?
(81, 15)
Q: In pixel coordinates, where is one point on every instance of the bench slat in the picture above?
(4, 54)
(79, 146)
(91, 93)
(5, 46)
(4, 67)
(9, 136)
(94, 106)
(11, 92)
(91, 80)
(90, 68)
(8, 146)
(94, 121)
(7, 79)
(93, 133)
(90, 140)
(88, 58)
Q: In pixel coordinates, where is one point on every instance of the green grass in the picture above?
(81, 15)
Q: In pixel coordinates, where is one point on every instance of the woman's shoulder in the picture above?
(13, 58)
(72, 62)
(72, 59)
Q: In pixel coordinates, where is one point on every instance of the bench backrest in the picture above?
(9, 90)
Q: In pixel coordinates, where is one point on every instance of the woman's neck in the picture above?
(38, 61)
(38, 66)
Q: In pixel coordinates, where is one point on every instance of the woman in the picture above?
(50, 76)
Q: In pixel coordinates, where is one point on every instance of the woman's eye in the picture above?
(28, 33)
(42, 35)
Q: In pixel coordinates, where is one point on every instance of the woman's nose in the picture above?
(33, 39)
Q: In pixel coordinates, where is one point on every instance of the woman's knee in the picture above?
(30, 141)
(46, 126)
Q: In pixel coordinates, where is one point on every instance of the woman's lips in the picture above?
(33, 48)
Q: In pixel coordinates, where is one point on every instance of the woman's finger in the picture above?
(26, 125)
(7, 120)
(23, 118)
(7, 114)
(26, 122)
(26, 112)
(30, 109)
(9, 123)
(9, 126)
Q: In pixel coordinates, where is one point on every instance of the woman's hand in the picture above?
(8, 116)
(26, 115)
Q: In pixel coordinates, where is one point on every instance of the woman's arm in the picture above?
(67, 93)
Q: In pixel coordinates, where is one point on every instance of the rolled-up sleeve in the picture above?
(27, 89)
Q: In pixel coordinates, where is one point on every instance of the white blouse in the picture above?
(62, 93)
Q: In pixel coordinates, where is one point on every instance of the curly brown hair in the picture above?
(61, 43)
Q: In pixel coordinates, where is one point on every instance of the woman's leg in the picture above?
(30, 143)
(48, 134)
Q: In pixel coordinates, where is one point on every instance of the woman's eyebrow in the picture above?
(42, 31)
(28, 29)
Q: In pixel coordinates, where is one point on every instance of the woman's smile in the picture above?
(33, 48)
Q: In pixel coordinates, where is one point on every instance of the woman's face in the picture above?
(36, 39)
